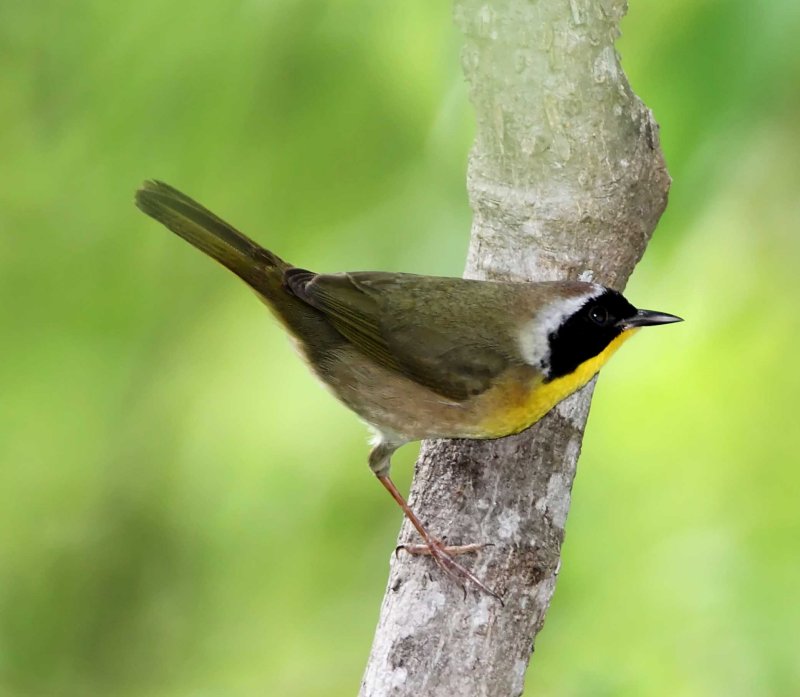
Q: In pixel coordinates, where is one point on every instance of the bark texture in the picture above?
(566, 180)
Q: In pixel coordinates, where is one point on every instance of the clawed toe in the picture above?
(451, 550)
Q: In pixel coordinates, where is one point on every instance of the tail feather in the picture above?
(260, 269)
(155, 186)
(210, 234)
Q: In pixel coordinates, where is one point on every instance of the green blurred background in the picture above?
(184, 512)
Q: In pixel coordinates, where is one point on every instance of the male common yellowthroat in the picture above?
(421, 356)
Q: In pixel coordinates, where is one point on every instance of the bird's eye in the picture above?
(599, 315)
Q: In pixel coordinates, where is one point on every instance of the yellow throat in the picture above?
(523, 407)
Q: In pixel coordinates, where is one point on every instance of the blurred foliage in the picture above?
(184, 512)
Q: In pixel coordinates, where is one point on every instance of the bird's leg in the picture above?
(442, 555)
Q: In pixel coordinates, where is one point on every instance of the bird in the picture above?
(419, 357)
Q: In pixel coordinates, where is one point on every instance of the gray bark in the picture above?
(566, 180)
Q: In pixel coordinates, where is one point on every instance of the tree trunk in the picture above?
(566, 180)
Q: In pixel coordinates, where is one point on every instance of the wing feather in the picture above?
(393, 319)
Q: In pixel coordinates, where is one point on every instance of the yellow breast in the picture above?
(512, 406)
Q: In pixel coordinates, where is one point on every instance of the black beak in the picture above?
(646, 318)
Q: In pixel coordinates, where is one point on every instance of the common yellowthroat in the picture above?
(421, 356)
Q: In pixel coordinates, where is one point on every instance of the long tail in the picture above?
(212, 235)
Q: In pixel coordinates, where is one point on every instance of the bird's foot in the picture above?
(444, 556)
